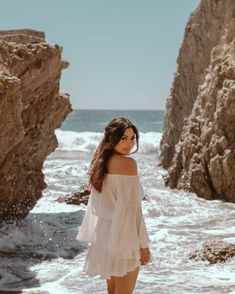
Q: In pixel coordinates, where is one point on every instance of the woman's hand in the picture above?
(144, 255)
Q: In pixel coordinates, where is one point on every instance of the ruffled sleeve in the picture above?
(87, 228)
(143, 235)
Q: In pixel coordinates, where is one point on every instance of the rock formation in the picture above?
(199, 130)
(214, 251)
(80, 197)
(31, 108)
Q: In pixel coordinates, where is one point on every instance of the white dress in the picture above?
(115, 227)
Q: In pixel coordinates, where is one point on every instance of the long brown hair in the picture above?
(112, 135)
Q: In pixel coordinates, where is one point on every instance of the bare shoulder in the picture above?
(130, 166)
(122, 165)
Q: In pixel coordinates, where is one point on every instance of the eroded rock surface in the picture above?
(214, 251)
(80, 197)
(199, 135)
(31, 108)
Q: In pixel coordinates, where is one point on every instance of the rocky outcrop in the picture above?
(214, 251)
(22, 36)
(31, 108)
(77, 198)
(199, 135)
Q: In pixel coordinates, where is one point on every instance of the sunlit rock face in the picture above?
(31, 108)
(199, 134)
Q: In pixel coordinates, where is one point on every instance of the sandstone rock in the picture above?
(22, 36)
(31, 108)
(199, 135)
(211, 24)
(77, 198)
(214, 251)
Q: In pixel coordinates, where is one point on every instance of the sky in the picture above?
(122, 53)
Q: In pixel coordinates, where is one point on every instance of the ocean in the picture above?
(40, 254)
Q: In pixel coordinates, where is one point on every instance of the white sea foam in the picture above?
(149, 142)
(74, 141)
(88, 141)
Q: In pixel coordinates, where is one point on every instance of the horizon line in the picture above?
(118, 109)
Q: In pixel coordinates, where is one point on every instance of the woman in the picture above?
(113, 222)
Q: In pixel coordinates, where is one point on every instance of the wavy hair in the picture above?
(112, 135)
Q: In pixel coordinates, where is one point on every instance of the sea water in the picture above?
(41, 255)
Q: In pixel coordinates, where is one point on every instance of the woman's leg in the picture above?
(123, 285)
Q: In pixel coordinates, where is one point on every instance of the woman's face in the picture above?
(126, 142)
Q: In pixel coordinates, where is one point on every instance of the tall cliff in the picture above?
(31, 108)
(199, 129)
